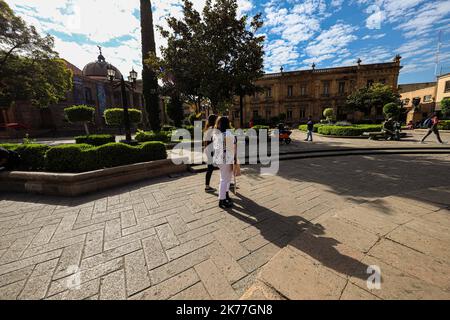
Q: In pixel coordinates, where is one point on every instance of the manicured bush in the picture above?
(444, 125)
(83, 157)
(163, 136)
(70, 158)
(351, 131)
(151, 151)
(304, 127)
(391, 110)
(32, 156)
(82, 114)
(328, 113)
(95, 139)
(115, 116)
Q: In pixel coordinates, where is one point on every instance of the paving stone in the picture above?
(214, 281)
(20, 264)
(11, 291)
(16, 249)
(154, 252)
(226, 263)
(196, 292)
(112, 230)
(70, 259)
(129, 238)
(44, 235)
(258, 258)
(167, 236)
(53, 246)
(111, 254)
(406, 260)
(112, 286)
(16, 275)
(94, 243)
(353, 292)
(190, 246)
(303, 279)
(37, 285)
(170, 287)
(86, 290)
(179, 265)
(127, 218)
(177, 224)
(233, 247)
(136, 272)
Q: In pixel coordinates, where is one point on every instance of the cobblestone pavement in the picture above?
(310, 232)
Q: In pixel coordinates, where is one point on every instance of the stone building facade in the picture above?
(90, 87)
(299, 94)
(419, 99)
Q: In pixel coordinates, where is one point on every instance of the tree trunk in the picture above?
(86, 128)
(150, 81)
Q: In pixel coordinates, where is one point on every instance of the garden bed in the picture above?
(353, 131)
(74, 184)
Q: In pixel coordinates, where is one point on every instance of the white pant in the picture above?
(226, 173)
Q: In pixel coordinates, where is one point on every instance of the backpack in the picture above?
(428, 123)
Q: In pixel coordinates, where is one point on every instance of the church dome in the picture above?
(99, 69)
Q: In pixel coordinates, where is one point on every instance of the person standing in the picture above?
(432, 124)
(224, 143)
(310, 129)
(208, 139)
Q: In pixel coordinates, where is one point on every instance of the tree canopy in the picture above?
(376, 95)
(212, 55)
(445, 107)
(30, 69)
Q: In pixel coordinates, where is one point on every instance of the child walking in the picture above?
(224, 143)
(208, 138)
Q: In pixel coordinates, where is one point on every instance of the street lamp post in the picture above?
(132, 79)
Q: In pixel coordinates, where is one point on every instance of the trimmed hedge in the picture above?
(83, 157)
(444, 125)
(96, 140)
(304, 127)
(163, 136)
(351, 131)
(115, 116)
(32, 156)
(80, 113)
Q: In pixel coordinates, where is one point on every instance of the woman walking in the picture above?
(432, 124)
(224, 143)
(208, 138)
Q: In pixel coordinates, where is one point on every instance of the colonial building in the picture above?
(442, 89)
(419, 99)
(299, 94)
(90, 87)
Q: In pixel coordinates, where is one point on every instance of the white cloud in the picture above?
(331, 42)
(374, 36)
(82, 24)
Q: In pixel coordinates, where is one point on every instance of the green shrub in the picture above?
(444, 125)
(9, 146)
(32, 156)
(83, 157)
(151, 151)
(304, 127)
(79, 113)
(391, 110)
(95, 140)
(351, 131)
(70, 158)
(82, 114)
(168, 128)
(115, 116)
(328, 113)
(163, 136)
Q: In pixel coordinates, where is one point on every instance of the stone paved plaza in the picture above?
(309, 233)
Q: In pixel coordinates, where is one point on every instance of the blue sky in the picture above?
(299, 32)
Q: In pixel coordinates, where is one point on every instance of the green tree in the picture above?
(391, 110)
(29, 67)
(215, 55)
(80, 114)
(377, 95)
(149, 75)
(328, 113)
(445, 107)
(175, 110)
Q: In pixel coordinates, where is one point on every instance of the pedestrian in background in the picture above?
(432, 124)
(310, 129)
(208, 139)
